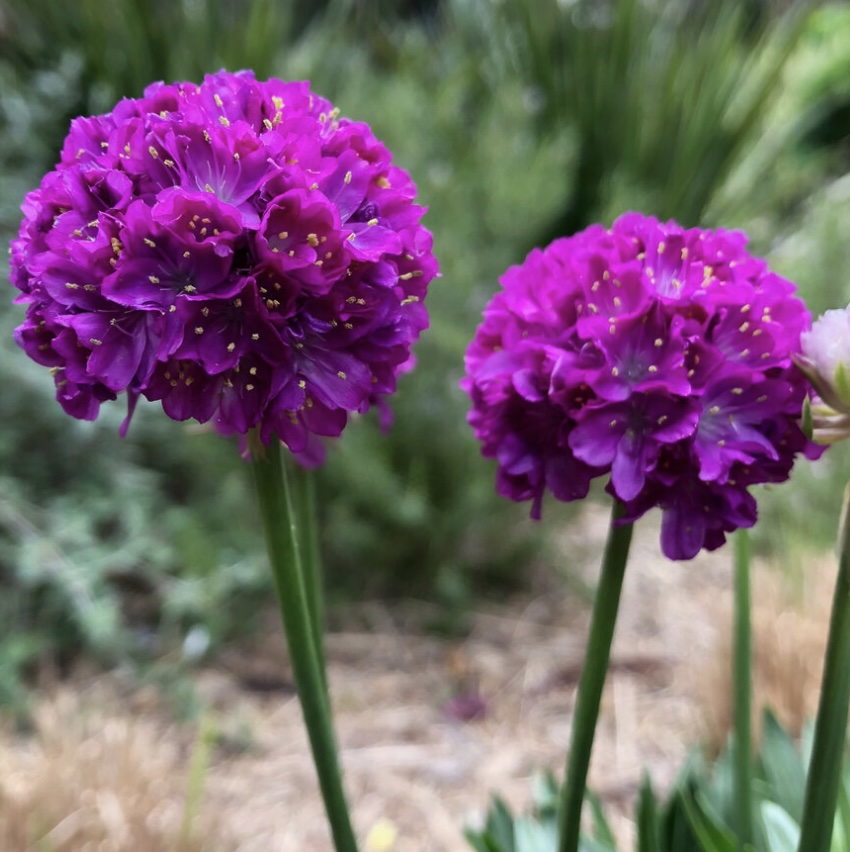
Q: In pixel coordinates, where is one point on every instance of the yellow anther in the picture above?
(254, 336)
(186, 254)
(372, 222)
(208, 188)
(277, 101)
(95, 342)
(342, 375)
(658, 342)
(745, 309)
(189, 288)
(715, 409)
(661, 246)
(302, 384)
(217, 99)
(153, 279)
(737, 391)
(347, 178)
(267, 124)
(684, 254)
(743, 327)
(71, 285)
(150, 243)
(253, 371)
(662, 420)
(613, 423)
(223, 121)
(615, 372)
(153, 152)
(199, 329)
(231, 347)
(652, 368)
(205, 311)
(312, 240)
(612, 329)
(283, 235)
(383, 183)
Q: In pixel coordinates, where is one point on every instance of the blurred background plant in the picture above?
(519, 122)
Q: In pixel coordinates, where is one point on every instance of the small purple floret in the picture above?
(660, 356)
(235, 250)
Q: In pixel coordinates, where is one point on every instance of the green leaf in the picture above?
(531, 836)
(500, 825)
(712, 835)
(601, 830)
(647, 818)
(783, 833)
(783, 767)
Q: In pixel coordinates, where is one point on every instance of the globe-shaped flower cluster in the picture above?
(658, 355)
(235, 250)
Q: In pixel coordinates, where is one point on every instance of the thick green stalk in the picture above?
(742, 663)
(282, 541)
(602, 623)
(305, 504)
(825, 767)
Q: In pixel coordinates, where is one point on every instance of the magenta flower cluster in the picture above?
(235, 250)
(658, 355)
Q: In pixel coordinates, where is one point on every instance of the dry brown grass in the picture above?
(790, 621)
(90, 781)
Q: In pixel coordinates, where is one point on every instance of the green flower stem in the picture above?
(825, 768)
(282, 541)
(304, 490)
(742, 663)
(592, 681)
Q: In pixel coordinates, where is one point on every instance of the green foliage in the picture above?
(697, 815)
(661, 99)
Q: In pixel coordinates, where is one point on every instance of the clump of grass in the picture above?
(790, 620)
(89, 782)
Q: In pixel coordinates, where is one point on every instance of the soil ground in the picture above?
(415, 772)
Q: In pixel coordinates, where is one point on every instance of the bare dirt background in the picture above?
(107, 769)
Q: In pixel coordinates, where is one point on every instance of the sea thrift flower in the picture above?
(235, 250)
(826, 361)
(658, 355)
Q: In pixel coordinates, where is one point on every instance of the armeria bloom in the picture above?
(825, 359)
(235, 250)
(658, 355)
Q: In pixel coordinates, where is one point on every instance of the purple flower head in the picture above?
(235, 250)
(660, 356)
